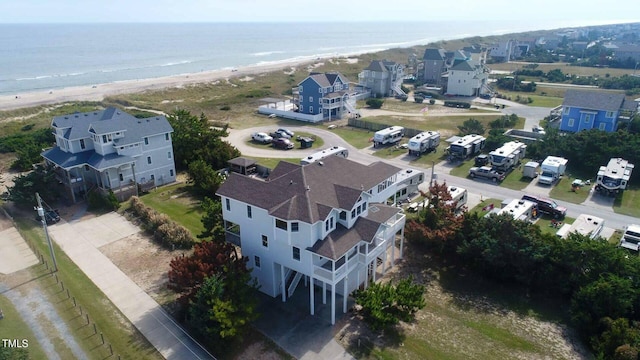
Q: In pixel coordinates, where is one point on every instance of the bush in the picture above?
(165, 231)
(432, 101)
(97, 201)
(418, 99)
(225, 108)
(457, 104)
(375, 103)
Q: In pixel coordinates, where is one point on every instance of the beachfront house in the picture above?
(586, 109)
(467, 78)
(383, 78)
(434, 65)
(323, 94)
(325, 224)
(110, 150)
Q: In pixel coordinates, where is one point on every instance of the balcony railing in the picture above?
(342, 268)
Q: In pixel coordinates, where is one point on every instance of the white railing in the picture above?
(294, 284)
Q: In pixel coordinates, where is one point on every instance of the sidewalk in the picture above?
(80, 241)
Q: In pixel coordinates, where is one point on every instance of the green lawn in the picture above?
(358, 138)
(562, 191)
(628, 203)
(515, 180)
(544, 222)
(462, 168)
(317, 144)
(483, 208)
(538, 100)
(118, 331)
(13, 327)
(426, 160)
(390, 152)
(272, 162)
(176, 202)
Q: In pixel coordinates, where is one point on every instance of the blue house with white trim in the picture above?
(323, 93)
(584, 110)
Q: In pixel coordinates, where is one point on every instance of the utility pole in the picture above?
(43, 220)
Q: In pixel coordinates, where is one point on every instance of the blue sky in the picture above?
(584, 12)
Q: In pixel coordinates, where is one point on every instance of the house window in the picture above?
(171, 172)
(294, 226)
(296, 253)
(311, 109)
(319, 90)
(609, 114)
(353, 213)
(570, 123)
(310, 99)
(587, 118)
(280, 224)
(249, 215)
(301, 108)
(265, 241)
(104, 139)
(566, 110)
(153, 177)
(82, 144)
(603, 126)
(146, 141)
(228, 203)
(148, 159)
(121, 177)
(256, 261)
(343, 215)
(326, 225)
(168, 154)
(166, 136)
(364, 205)
(300, 89)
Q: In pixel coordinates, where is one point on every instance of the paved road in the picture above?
(81, 240)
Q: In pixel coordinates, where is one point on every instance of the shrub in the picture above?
(457, 104)
(432, 101)
(375, 103)
(97, 201)
(225, 108)
(418, 99)
(173, 236)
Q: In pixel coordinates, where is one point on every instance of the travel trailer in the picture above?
(424, 142)
(390, 135)
(614, 177)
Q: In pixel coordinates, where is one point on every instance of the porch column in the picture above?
(73, 195)
(375, 268)
(284, 285)
(84, 182)
(312, 300)
(344, 295)
(333, 304)
(135, 182)
(366, 276)
(384, 260)
(401, 241)
(393, 250)
(324, 293)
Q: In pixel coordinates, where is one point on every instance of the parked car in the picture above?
(547, 206)
(631, 238)
(50, 216)
(282, 143)
(279, 134)
(486, 172)
(286, 131)
(261, 138)
(482, 160)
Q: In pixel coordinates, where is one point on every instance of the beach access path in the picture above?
(81, 241)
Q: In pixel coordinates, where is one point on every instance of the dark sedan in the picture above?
(282, 143)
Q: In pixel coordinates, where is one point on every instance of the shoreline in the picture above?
(98, 92)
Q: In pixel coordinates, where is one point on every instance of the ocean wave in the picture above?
(267, 53)
(175, 63)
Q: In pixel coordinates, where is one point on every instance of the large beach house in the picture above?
(467, 78)
(383, 78)
(323, 94)
(111, 150)
(326, 223)
(585, 109)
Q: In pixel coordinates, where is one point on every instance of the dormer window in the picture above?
(82, 146)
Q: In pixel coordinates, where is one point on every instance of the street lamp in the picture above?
(43, 220)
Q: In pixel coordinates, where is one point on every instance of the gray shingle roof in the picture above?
(307, 193)
(595, 100)
(326, 79)
(377, 66)
(67, 160)
(111, 120)
(433, 54)
(463, 65)
(340, 240)
(241, 161)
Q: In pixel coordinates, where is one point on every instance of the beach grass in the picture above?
(124, 338)
(566, 68)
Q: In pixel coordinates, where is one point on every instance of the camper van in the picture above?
(458, 195)
(334, 150)
(390, 135)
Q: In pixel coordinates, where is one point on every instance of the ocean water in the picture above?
(49, 56)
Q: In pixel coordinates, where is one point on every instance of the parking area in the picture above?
(15, 254)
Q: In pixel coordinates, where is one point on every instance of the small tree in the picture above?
(375, 103)
(385, 305)
(418, 99)
(432, 101)
(471, 126)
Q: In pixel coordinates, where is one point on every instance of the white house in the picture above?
(325, 223)
(467, 78)
(111, 150)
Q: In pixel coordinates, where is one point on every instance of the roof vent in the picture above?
(308, 188)
(320, 163)
(290, 182)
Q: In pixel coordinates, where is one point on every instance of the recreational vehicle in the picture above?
(614, 177)
(508, 155)
(390, 135)
(466, 146)
(424, 142)
(335, 150)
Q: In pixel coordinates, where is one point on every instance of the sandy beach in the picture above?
(99, 91)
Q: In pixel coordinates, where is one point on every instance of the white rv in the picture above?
(614, 177)
(334, 150)
(424, 142)
(390, 135)
(631, 238)
(587, 225)
(508, 155)
(523, 210)
(552, 168)
(462, 148)
(458, 195)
